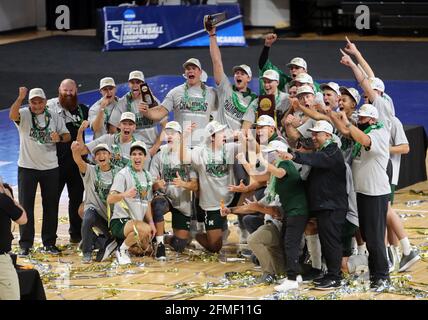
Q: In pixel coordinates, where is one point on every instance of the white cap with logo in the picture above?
(36, 92)
(139, 144)
(265, 120)
(127, 116)
(108, 81)
(300, 62)
(193, 61)
(332, 86)
(302, 78)
(101, 146)
(322, 126)
(174, 125)
(377, 84)
(351, 92)
(136, 75)
(214, 127)
(304, 89)
(368, 110)
(271, 75)
(243, 67)
(276, 145)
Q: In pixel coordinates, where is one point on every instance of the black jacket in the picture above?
(327, 179)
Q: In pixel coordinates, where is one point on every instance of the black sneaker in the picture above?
(160, 252)
(312, 274)
(407, 261)
(328, 284)
(24, 252)
(75, 240)
(51, 250)
(108, 249)
(246, 253)
(379, 284)
(266, 278)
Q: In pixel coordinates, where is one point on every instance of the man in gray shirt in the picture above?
(39, 132)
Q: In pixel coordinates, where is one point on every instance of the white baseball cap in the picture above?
(276, 145)
(305, 89)
(108, 81)
(36, 92)
(137, 75)
(127, 116)
(265, 120)
(300, 62)
(351, 92)
(377, 84)
(271, 75)
(332, 86)
(244, 68)
(214, 127)
(174, 125)
(368, 110)
(302, 78)
(193, 61)
(138, 144)
(101, 146)
(322, 126)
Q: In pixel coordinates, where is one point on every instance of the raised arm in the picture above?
(76, 149)
(351, 48)
(264, 56)
(216, 56)
(14, 110)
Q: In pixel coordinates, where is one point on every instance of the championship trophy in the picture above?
(147, 95)
(212, 20)
(266, 106)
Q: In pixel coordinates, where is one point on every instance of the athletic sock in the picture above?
(124, 246)
(362, 249)
(159, 239)
(405, 246)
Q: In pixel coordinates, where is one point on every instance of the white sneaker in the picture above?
(123, 257)
(287, 285)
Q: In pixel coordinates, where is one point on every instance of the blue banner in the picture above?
(168, 26)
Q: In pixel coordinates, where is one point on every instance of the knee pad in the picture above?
(160, 206)
(178, 244)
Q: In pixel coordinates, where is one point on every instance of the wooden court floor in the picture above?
(198, 275)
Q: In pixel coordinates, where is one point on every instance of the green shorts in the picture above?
(348, 232)
(214, 220)
(391, 197)
(117, 226)
(179, 220)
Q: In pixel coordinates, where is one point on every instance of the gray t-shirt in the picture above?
(282, 103)
(385, 111)
(97, 185)
(93, 112)
(369, 166)
(120, 151)
(36, 149)
(165, 165)
(215, 172)
(398, 136)
(134, 208)
(146, 129)
(192, 105)
(228, 113)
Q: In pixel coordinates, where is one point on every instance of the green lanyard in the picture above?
(139, 121)
(237, 102)
(326, 144)
(107, 115)
(212, 166)
(41, 138)
(98, 185)
(117, 159)
(195, 104)
(357, 146)
(272, 185)
(142, 189)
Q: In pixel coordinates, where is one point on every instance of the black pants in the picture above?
(252, 221)
(330, 227)
(294, 228)
(28, 179)
(91, 218)
(372, 212)
(69, 175)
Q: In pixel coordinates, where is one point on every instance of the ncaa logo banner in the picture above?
(168, 26)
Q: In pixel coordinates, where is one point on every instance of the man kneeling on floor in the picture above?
(131, 194)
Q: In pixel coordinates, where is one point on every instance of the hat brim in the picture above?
(221, 128)
(295, 64)
(236, 68)
(94, 152)
(108, 85)
(344, 90)
(37, 96)
(362, 114)
(135, 78)
(305, 92)
(192, 64)
(138, 147)
(317, 130)
(264, 77)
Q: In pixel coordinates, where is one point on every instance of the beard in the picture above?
(68, 102)
(363, 126)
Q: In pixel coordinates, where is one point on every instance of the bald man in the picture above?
(73, 113)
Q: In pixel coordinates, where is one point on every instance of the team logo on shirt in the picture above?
(217, 170)
(169, 174)
(42, 136)
(232, 111)
(194, 105)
